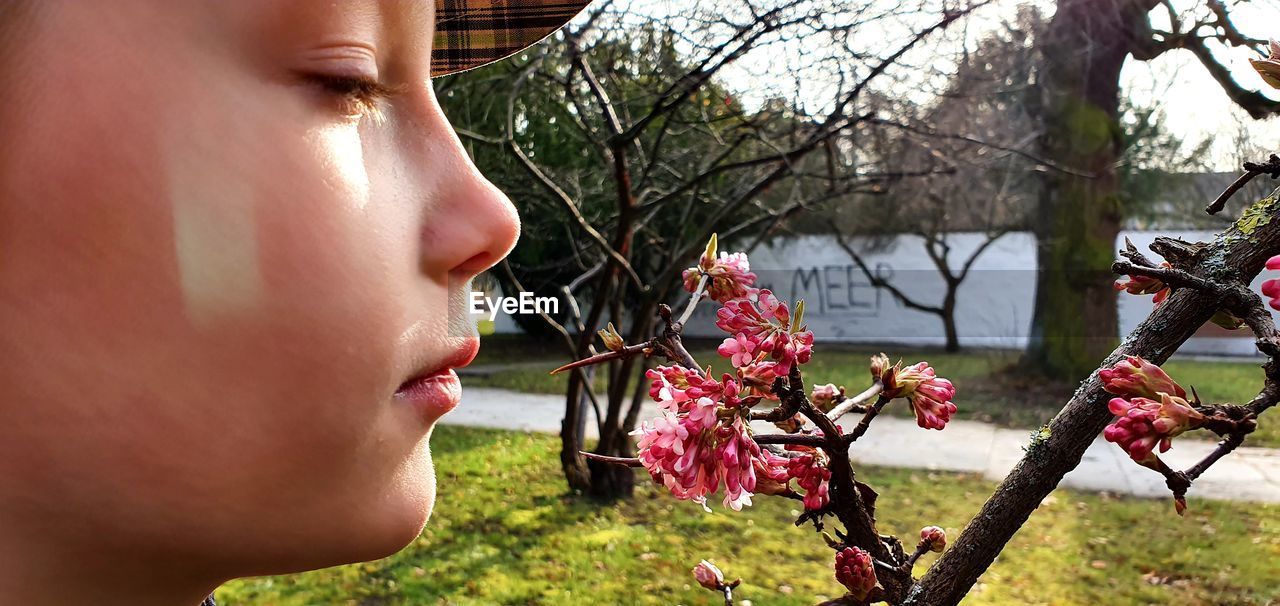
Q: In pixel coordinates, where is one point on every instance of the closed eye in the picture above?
(357, 96)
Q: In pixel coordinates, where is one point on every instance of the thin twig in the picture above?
(1168, 275)
(626, 461)
(694, 299)
(1270, 167)
(856, 402)
(866, 419)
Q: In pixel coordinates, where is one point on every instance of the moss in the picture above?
(1038, 438)
(1257, 215)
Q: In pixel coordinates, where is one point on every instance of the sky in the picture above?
(1195, 105)
(1195, 108)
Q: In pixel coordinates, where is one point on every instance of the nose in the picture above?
(469, 225)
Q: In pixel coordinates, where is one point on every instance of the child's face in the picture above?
(213, 279)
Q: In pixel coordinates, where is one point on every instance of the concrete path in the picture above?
(1248, 474)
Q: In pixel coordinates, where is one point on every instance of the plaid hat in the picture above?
(471, 33)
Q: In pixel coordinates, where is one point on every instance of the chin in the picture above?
(399, 516)
(383, 520)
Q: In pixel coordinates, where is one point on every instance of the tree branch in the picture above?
(1234, 257)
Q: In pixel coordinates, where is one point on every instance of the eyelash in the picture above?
(359, 96)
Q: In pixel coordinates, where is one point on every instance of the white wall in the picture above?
(994, 304)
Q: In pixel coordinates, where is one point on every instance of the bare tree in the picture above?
(977, 139)
(663, 156)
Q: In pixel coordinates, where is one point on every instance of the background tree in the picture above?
(1082, 53)
(649, 154)
(975, 137)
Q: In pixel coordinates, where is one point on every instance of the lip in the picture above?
(436, 391)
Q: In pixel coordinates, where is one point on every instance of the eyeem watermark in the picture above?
(526, 303)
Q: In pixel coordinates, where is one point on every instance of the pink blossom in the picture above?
(934, 537)
(771, 473)
(811, 474)
(708, 575)
(738, 349)
(930, 394)
(766, 323)
(692, 452)
(856, 571)
(674, 386)
(1271, 288)
(825, 395)
(757, 379)
(736, 454)
(1134, 376)
(1146, 285)
(792, 348)
(670, 385)
(1144, 424)
(729, 276)
(679, 451)
(932, 403)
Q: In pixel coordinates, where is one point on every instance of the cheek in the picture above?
(201, 308)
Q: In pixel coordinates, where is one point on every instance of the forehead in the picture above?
(393, 26)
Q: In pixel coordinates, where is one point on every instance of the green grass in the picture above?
(987, 389)
(505, 531)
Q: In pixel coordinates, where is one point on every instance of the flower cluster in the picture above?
(824, 396)
(1144, 424)
(929, 394)
(757, 378)
(672, 386)
(729, 276)
(856, 571)
(1152, 408)
(762, 326)
(692, 450)
(811, 473)
(1135, 376)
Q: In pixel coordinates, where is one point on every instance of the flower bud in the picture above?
(612, 340)
(708, 575)
(708, 259)
(1136, 377)
(935, 537)
(798, 317)
(879, 367)
(855, 570)
(825, 395)
(1145, 425)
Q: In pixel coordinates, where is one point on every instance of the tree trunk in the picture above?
(1075, 321)
(572, 436)
(949, 318)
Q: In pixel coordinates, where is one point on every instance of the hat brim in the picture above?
(472, 33)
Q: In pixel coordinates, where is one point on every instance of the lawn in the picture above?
(506, 531)
(987, 389)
